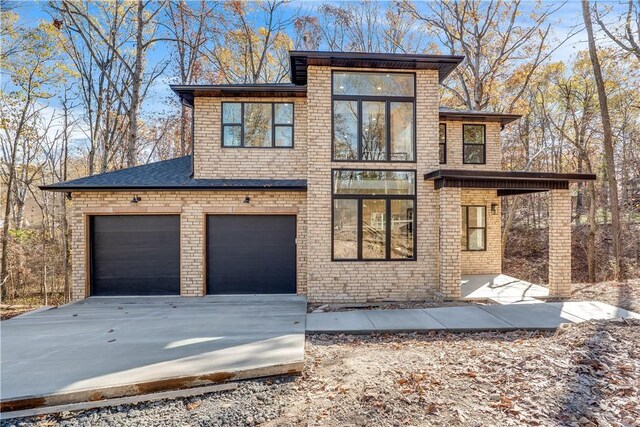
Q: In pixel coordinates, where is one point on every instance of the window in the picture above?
(373, 215)
(473, 143)
(373, 116)
(442, 138)
(474, 228)
(257, 124)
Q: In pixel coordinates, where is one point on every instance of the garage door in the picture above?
(135, 255)
(251, 254)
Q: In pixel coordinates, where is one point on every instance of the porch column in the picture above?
(559, 243)
(450, 232)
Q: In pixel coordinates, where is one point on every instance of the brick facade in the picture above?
(211, 160)
(450, 231)
(347, 281)
(488, 261)
(560, 243)
(192, 206)
(440, 260)
(454, 145)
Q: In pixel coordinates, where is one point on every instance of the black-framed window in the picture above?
(473, 144)
(257, 124)
(373, 116)
(474, 228)
(373, 215)
(442, 143)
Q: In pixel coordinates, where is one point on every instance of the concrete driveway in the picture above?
(107, 347)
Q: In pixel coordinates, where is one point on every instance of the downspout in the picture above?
(193, 138)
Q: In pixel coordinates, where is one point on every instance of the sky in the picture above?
(564, 21)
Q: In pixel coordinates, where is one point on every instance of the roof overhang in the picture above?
(503, 119)
(188, 92)
(506, 182)
(300, 60)
(196, 185)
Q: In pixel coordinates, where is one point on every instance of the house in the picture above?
(350, 184)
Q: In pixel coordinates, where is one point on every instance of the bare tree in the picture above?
(250, 43)
(627, 37)
(187, 27)
(31, 71)
(363, 26)
(607, 140)
(498, 44)
(137, 24)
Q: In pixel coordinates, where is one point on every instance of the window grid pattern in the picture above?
(240, 130)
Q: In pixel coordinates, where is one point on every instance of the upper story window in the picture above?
(257, 124)
(442, 145)
(473, 144)
(373, 116)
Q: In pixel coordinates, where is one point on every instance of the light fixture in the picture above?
(247, 199)
(135, 199)
(494, 208)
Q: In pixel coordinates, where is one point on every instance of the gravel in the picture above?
(583, 375)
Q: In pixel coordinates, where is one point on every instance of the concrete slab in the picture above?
(535, 316)
(112, 347)
(515, 300)
(352, 322)
(403, 320)
(499, 286)
(593, 310)
(468, 318)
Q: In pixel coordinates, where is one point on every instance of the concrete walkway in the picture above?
(501, 289)
(111, 347)
(532, 316)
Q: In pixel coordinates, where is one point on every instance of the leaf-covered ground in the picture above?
(584, 375)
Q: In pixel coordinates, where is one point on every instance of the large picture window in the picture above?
(474, 228)
(257, 124)
(473, 144)
(373, 116)
(373, 215)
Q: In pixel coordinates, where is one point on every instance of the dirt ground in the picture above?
(7, 311)
(621, 294)
(583, 375)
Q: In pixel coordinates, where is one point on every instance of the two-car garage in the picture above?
(243, 254)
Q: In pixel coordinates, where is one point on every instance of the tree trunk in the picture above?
(507, 225)
(608, 143)
(136, 83)
(591, 237)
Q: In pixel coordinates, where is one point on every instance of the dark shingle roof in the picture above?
(172, 174)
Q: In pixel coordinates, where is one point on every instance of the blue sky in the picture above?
(563, 22)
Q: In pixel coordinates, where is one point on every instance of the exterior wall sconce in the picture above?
(135, 199)
(494, 208)
(247, 200)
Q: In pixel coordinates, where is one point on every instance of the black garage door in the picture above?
(135, 255)
(251, 254)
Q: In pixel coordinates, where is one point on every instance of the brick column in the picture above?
(559, 243)
(450, 241)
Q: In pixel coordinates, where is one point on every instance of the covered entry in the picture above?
(251, 254)
(134, 255)
(450, 182)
